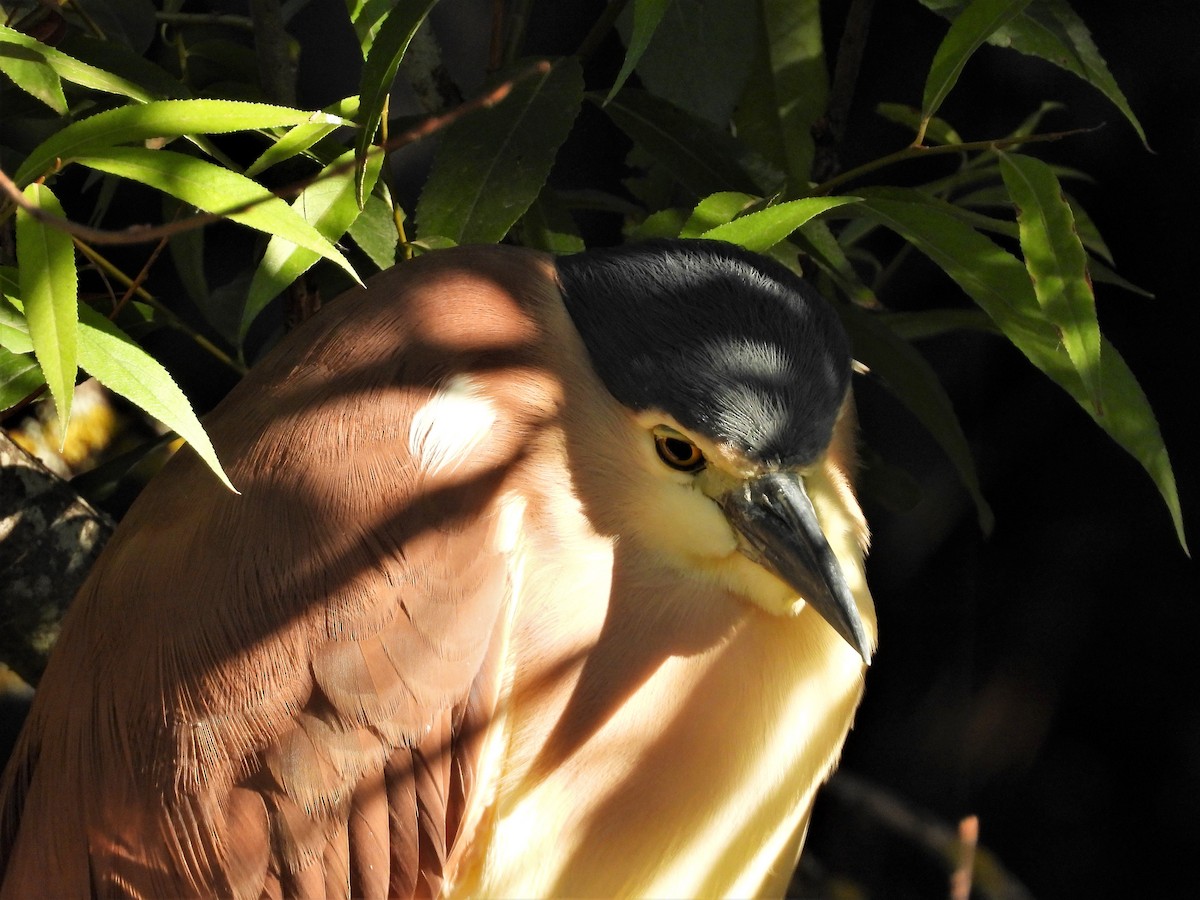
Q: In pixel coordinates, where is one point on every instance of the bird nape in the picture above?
(545, 579)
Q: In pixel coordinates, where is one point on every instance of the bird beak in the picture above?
(779, 526)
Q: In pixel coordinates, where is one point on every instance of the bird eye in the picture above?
(679, 453)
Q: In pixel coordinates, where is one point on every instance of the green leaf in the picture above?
(160, 119)
(715, 210)
(998, 282)
(647, 14)
(666, 223)
(365, 16)
(14, 330)
(699, 156)
(908, 376)
(1051, 30)
(14, 45)
(301, 137)
(112, 358)
(971, 28)
(788, 88)
(941, 131)
(714, 43)
(215, 190)
(37, 79)
(329, 205)
(762, 230)
(547, 225)
(1057, 263)
(379, 70)
(20, 376)
(492, 164)
(49, 292)
(375, 229)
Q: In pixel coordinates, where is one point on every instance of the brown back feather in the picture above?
(286, 692)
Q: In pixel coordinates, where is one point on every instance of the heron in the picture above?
(545, 578)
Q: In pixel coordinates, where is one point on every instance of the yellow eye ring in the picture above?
(678, 452)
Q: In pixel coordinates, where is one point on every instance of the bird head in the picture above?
(733, 375)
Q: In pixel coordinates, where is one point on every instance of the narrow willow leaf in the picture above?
(366, 16)
(49, 290)
(14, 330)
(215, 190)
(666, 223)
(379, 70)
(908, 376)
(492, 164)
(301, 137)
(37, 79)
(819, 244)
(702, 158)
(160, 119)
(941, 131)
(1051, 30)
(329, 205)
(714, 43)
(20, 376)
(970, 29)
(998, 282)
(15, 45)
(1057, 263)
(375, 229)
(715, 210)
(788, 88)
(762, 230)
(112, 358)
(647, 14)
(1102, 274)
(547, 225)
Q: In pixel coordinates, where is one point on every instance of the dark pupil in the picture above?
(679, 451)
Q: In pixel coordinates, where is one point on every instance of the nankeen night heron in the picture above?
(546, 579)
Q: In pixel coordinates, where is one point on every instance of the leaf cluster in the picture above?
(733, 113)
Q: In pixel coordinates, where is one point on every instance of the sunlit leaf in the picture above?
(762, 230)
(974, 25)
(492, 164)
(20, 376)
(160, 119)
(14, 330)
(37, 79)
(715, 210)
(1057, 263)
(301, 137)
(49, 291)
(998, 282)
(215, 190)
(15, 45)
(329, 205)
(112, 358)
(375, 230)
(379, 71)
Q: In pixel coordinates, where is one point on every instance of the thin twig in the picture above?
(141, 234)
(916, 152)
(841, 93)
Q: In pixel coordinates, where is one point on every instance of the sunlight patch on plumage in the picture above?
(447, 430)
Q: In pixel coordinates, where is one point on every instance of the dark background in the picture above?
(1046, 677)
